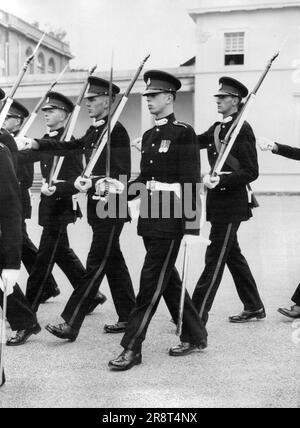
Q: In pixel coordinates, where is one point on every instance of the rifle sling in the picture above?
(231, 161)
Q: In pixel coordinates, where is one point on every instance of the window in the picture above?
(51, 66)
(234, 48)
(29, 52)
(41, 63)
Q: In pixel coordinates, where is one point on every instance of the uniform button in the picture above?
(152, 178)
(143, 151)
(153, 145)
(157, 129)
(151, 161)
(215, 153)
(223, 126)
(209, 145)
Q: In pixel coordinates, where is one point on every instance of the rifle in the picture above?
(23, 131)
(237, 124)
(9, 100)
(67, 134)
(108, 143)
(102, 140)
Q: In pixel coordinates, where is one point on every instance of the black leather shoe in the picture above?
(47, 294)
(63, 331)
(294, 312)
(22, 335)
(119, 327)
(98, 300)
(186, 348)
(248, 315)
(125, 360)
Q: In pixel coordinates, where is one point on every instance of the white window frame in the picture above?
(233, 38)
(234, 67)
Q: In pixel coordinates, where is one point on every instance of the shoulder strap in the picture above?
(234, 163)
(231, 161)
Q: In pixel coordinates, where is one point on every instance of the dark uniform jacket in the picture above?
(25, 174)
(7, 139)
(228, 202)
(169, 155)
(120, 164)
(10, 213)
(57, 210)
(288, 152)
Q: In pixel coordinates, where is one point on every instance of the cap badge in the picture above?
(164, 146)
(149, 82)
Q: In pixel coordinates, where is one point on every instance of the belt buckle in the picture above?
(152, 185)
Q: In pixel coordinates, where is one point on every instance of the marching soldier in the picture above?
(290, 153)
(25, 173)
(105, 256)
(57, 208)
(170, 158)
(227, 207)
(19, 314)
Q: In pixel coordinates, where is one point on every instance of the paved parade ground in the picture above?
(245, 365)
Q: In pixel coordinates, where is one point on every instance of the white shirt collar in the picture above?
(227, 119)
(53, 133)
(97, 123)
(160, 122)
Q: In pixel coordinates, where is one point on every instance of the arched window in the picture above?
(28, 53)
(41, 63)
(51, 66)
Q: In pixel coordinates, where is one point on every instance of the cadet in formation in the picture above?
(169, 159)
(290, 153)
(25, 173)
(105, 256)
(19, 313)
(57, 209)
(227, 206)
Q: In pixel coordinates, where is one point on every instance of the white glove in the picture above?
(110, 184)
(83, 184)
(23, 143)
(9, 279)
(211, 182)
(48, 191)
(265, 144)
(137, 143)
(195, 240)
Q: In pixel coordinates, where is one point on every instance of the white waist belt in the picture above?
(164, 187)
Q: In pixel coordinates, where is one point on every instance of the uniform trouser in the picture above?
(19, 313)
(296, 296)
(224, 249)
(104, 258)
(54, 248)
(159, 277)
(29, 253)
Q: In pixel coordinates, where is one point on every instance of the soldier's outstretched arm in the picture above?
(279, 149)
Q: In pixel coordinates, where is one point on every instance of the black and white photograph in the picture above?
(149, 207)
